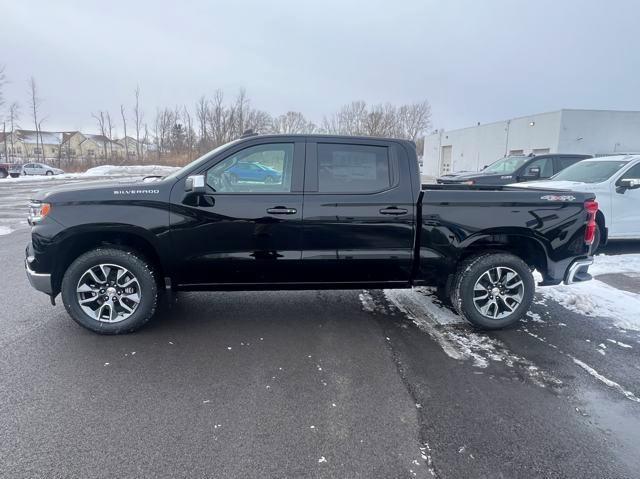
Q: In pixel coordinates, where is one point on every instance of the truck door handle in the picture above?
(281, 210)
(393, 211)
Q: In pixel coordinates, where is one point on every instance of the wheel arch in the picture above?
(523, 245)
(602, 224)
(79, 242)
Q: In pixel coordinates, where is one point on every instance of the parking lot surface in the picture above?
(314, 384)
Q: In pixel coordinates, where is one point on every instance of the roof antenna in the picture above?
(248, 133)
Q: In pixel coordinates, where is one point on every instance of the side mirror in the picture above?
(629, 183)
(195, 184)
(484, 167)
(533, 172)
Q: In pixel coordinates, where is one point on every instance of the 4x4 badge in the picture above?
(558, 198)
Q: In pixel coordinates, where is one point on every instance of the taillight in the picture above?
(590, 232)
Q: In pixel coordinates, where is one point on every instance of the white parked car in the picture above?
(40, 169)
(615, 180)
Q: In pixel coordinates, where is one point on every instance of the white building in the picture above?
(595, 132)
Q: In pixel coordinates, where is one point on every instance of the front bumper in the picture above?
(578, 271)
(40, 281)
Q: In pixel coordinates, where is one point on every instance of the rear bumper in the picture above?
(578, 271)
(40, 281)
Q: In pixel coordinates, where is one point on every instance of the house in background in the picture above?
(99, 146)
(594, 132)
(131, 145)
(63, 147)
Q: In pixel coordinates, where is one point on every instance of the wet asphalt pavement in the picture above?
(309, 384)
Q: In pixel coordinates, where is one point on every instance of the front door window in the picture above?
(257, 169)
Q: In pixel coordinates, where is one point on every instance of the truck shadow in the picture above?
(620, 247)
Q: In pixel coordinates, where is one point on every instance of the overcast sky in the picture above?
(475, 61)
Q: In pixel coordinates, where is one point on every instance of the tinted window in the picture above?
(352, 168)
(634, 172)
(564, 162)
(257, 169)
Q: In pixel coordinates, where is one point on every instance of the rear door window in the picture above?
(353, 168)
(563, 161)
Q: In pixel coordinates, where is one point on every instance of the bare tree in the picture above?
(145, 139)
(414, 119)
(138, 116)
(4, 140)
(102, 126)
(190, 140)
(349, 120)
(241, 112)
(165, 121)
(292, 122)
(356, 118)
(202, 114)
(110, 133)
(35, 107)
(3, 82)
(126, 138)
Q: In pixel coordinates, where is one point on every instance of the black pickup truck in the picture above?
(514, 169)
(302, 212)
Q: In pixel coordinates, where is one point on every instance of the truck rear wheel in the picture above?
(110, 291)
(493, 290)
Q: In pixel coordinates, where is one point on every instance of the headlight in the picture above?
(37, 211)
(468, 182)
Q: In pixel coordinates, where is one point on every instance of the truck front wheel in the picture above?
(110, 291)
(493, 290)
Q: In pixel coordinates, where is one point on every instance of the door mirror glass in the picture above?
(533, 172)
(194, 184)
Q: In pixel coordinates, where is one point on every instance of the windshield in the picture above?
(507, 165)
(200, 160)
(589, 171)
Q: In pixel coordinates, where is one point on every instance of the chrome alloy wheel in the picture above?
(108, 293)
(498, 292)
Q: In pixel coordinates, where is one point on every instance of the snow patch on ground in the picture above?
(457, 339)
(5, 230)
(612, 384)
(368, 304)
(595, 298)
(605, 264)
(130, 170)
(100, 171)
(620, 343)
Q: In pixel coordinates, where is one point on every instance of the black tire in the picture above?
(49, 173)
(3, 173)
(470, 271)
(127, 259)
(443, 292)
